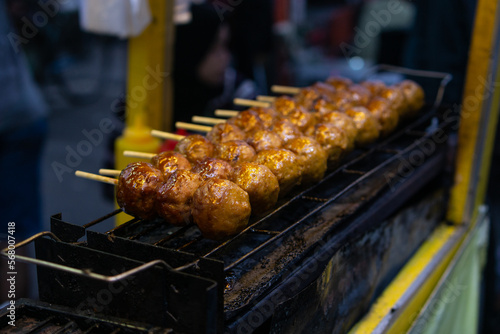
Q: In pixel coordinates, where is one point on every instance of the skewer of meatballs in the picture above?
(244, 164)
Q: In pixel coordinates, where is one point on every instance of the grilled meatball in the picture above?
(213, 168)
(334, 141)
(394, 94)
(374, 86)
(220, 209)
(339, 83)
(344, 122)
(195, 148)
(136, 189)
(302, 118)
(414, 95)
(264, 140)
(174, 197)
(323, 106)
(387, 117)
(312, 156)
(267, 115)
(341, 100)
(284, 105)
(168, 162)
(223, 132)
(234, 151)
(307, 97)
(247, 120)
(325, 91)
(360, 95)
(367, 125)
(260, 183)
(286, 130)
(285, 165)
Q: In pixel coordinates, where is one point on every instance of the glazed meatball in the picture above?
(220, 209)
(339, 83)
(285, 164)
(247, 121)
(395, 96)
(323, 106)
(136, 189)
(267, 115)
(223, 132)
(284, 105)
(264, 140)
(168, 162)
(346, 123)
(360, 95)
(312, 156)
(302, 118)
(387, 117)
(174, 197)
(260, 183)
(213, 168)
(234, 151)
(414, 94)
(325, 91)
(286, 130)
(367, 125)
(333, 140)
(195, 148)
(374, 86)
(307, 97)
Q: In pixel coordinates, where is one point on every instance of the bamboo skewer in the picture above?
(193, 127)
(109, 172)
(140, 155)
(284, 89)
(226, 113)
(251, 103)
(96, 177)
(265, 98)
(166, 135)
(207, 120)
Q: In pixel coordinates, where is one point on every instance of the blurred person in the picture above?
(22, 131)
(203, 78)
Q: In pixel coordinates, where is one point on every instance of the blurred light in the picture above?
(356, 63)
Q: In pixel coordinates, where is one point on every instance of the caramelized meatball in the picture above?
(213, 168)
(341, 100)
(266, 115)
(220, 209)
(339, 83)
(168, 162)
(312, 156)
(346, 123)
(223, 132)
(195, 148)
(302, 118)
(285, 165)
(333, 140)
(247, 121)
(395, 96)
(414, 94)
(374, 86)
(286, 130)
(264, 140)
(325, 91)
(234, 151)
(323, 106)
(284, 105)
(387, 117)
(136, 189)
(367, 125)
(360, 95)
(260, 183)
(307, 97)
(174, 197)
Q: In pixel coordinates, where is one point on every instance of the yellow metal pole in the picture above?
(474, 154)
(149, 87)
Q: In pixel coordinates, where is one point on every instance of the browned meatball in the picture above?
(307, 97)
(168, 162)
(285, 164)
(394, 94)
(264, 140)
(284, 105)
(360, 95)
(234, 151)
(323, 106)
(374, 86)
(174, 197)
(286, 130)
(341, 100)
(267, 115)
(223, 132)
(312, 156)
(260, 183)
(333, 140)
(220, 209)
(213, 168)
(136, 189)
(247, 120)
(414, 95)
(339, 83)
(195, 148)
(387, 117)
(344, 122)
(302, 118)
(367, 125)
(325, 91)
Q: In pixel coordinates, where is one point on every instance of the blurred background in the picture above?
(68, 109)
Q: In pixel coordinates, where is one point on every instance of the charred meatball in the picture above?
(136, 189)
(174, 197)
(312, 156)
(234, 151)
(168, 162)
(195, 148)
(260, 183)
(213, 168)
(220, 209)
